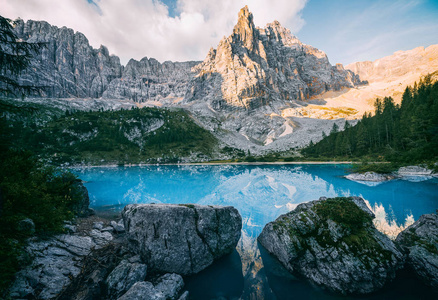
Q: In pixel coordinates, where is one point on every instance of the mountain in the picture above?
(250, 68)
(241, 92)
(256, 66)
(261, 89)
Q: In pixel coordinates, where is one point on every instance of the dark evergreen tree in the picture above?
(15, 57)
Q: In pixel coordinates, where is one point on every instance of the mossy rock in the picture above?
(334, 243)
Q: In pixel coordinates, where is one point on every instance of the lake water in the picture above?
(261, 193)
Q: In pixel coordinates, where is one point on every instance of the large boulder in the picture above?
(182, 239)
(333, 243)
(420, 243)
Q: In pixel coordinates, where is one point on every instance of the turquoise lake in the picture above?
(261, 193)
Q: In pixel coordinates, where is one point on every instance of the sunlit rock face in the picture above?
(255, 66)
(404, 66)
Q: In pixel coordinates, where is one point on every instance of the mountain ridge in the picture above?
(72, 68)
(261, 89)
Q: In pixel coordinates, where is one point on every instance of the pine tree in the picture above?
(335, 129)
(15, 57)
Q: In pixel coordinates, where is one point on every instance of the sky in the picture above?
(181, 30)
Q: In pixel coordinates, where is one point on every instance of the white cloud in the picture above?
(138, 28)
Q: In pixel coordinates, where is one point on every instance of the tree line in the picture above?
(404, 133)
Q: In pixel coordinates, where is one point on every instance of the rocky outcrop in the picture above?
(26, 227)
(415, 171)
(255, 66)
(333, 243)
(420, 242)
(55, 262)
(182, 239)
(67, 65)
(369, 176)
(89, 264)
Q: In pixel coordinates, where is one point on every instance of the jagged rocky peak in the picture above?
(255, 66)
(245, 30)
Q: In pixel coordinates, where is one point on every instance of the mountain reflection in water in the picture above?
(261, 193)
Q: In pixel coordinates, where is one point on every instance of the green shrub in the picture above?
(381, 168)
(28, 189)
(343, 211)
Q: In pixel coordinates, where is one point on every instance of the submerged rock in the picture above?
(333, 243)
(420, 242)
(182, 239)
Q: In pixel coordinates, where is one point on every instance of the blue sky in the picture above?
(358, 30)
(347, 30)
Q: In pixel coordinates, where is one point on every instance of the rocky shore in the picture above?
(98, 259)
(411, 173)
(145, 252)
(333, 244)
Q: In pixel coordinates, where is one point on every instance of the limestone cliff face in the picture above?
(254, 66)
(68, 66)
(149, 80)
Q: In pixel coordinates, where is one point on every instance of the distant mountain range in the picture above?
(260, 89)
